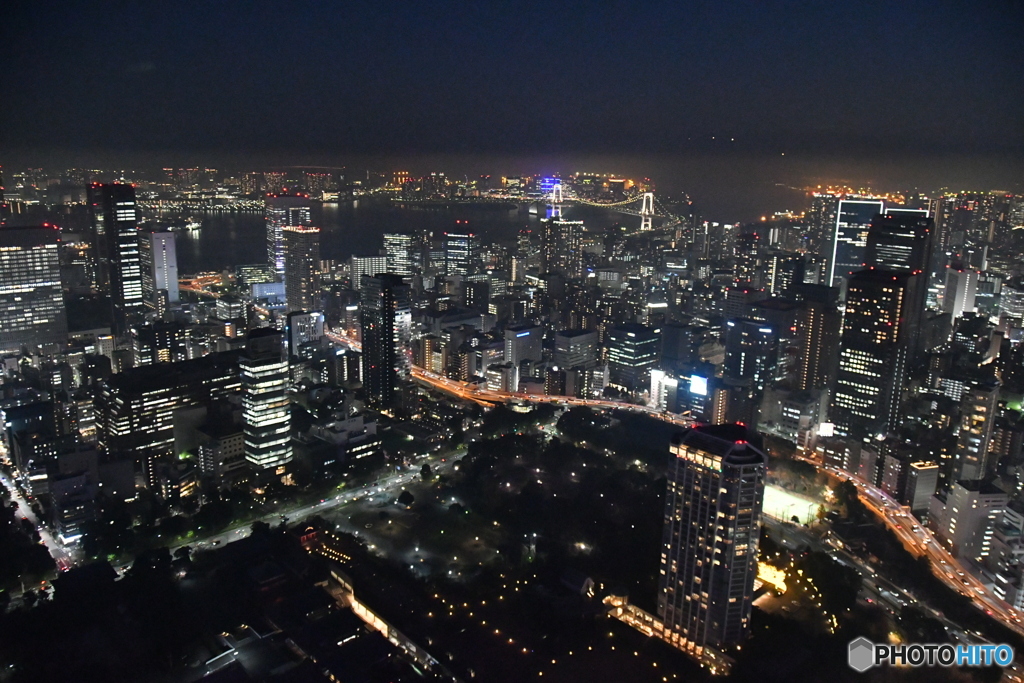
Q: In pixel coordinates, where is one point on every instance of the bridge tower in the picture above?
(646, 211)
(557, 198)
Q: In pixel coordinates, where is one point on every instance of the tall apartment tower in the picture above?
(283, 210)
(712, 516)
(386, 316)
(818, 328)
(880, 331)
(302, 267)
(115, 238)
(31, 297)
(266, 410)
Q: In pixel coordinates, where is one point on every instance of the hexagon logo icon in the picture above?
(861, 655)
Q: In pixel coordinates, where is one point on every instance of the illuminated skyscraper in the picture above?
(31, 297)
(115, 235)
(561, 247)
(751, 353)
(461, 253)
(818, 327)
(302, 267)
(283, 210)
(711, 533)
(266, 410)
(632, 352)
(849, 240)
(900, 239)
(880, 330)
(159, 269)
(399, 247)
(972, 459)
(386, 316)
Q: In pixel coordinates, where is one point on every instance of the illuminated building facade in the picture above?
(31, 297)
(879, 332)
(302, 267)
(266, 408)
(632, 352)
(712, 525)
(283, 210)
(115, 235)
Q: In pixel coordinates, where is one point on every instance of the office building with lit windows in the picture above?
(561, 247)
(461, 253)
(266, 407)
(712, 524)
(160, 269)
(632, 352)
(115, 238)
(850, 238)
(398, 250)
(282, 211)
(31, 297)
(879, 332)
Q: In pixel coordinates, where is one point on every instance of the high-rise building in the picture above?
(399, 250)
(632, 353)
(783, 270)
(751, 353)
(972, 459)
(366, 265)
(115, 235)
(561, 247)
(961, 290)
(879, 333)
(31, 297)
(304, 332)
(522, 343)
(283, 210)
(849, 240)
(461, 253)
(900, 240)
(386, 317)
(302, 267)
(818, 328)
(709, 555)
(164, 264)
(159, 271)
(266, 409)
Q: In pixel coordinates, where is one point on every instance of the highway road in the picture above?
(919, 541)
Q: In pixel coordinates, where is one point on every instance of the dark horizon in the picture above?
(881, 88)
(726, 187)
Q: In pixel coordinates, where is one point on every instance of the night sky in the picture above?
(317, 81)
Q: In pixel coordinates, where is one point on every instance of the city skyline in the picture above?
(512, 341)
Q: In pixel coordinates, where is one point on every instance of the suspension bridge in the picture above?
(645, 205)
